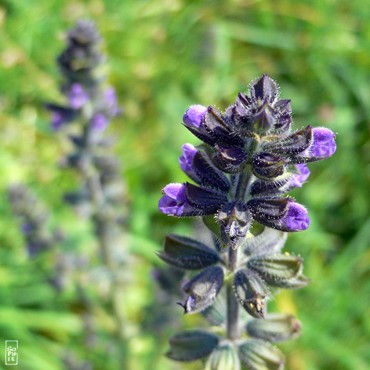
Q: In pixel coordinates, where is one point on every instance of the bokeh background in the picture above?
(164, 55)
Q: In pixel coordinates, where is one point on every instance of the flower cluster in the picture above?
(249, 159)
(87, 99)
(91, 105)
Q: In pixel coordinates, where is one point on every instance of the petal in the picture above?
(323, 146)
(186, 160)
(296, 218)
(323, 143)
(194, 116)
(298, 179)
(173, 201)
(281, 214)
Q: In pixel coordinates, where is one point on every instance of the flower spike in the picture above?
(249, 160)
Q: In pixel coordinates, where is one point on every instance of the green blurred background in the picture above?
(164, 55)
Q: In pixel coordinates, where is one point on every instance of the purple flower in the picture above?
(282, 214)
(296, 218)
(297, 179)
(183, 200)
(186, 160)
(198, 166)
(174, 200)
(111, 101)
(99, 122)
(323, 145)
(77, 96)
(194, 116)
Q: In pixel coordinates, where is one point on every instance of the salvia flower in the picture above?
(248, 161)
(252, 147)
(90, 106)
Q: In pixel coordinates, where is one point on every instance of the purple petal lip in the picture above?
(194, 116)
(323, 143)
(77, 96)
(99, 122)
(298, 179)
(174, 199)
(186, 160)
(296, 218)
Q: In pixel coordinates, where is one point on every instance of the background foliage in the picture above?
(163, 56)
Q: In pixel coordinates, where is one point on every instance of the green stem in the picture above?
(232, 303)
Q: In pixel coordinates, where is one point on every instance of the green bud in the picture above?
(275, 328)
(273, 269)
(224, 357)
(260, 355)
(251, 292)
(191, 345)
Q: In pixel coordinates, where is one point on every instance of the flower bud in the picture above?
(267, 166)
(260, 355)
(187, 253)
(275, 268)
(282, 214)
(191, 345)
(183, 200)
(230, 159)
(322, 146)
(251, 292)
(293, 144)
(194, 116)
(203, 289)
(224, 357)
(199, 167)
(275, 328)
(235, 220)
(264, 89)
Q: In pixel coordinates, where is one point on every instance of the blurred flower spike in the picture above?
(80, 63)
